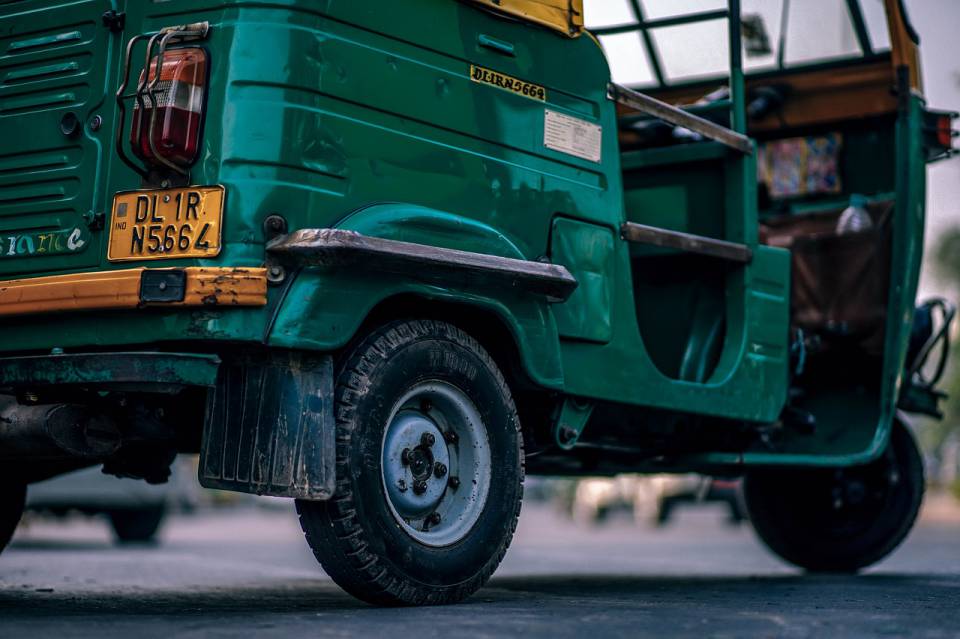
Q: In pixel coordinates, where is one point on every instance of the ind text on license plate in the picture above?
(167, 223)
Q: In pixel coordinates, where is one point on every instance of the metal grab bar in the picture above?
(720, 249)
(679, 117)
(121, 114)
(326, 247)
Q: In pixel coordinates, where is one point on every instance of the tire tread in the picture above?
(355, 569)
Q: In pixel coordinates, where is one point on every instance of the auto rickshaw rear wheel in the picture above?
(12, 501)
(429, 468)
(839, 519)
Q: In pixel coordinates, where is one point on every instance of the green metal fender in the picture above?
(323, 308)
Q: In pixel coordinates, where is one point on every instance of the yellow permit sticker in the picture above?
(507, 83)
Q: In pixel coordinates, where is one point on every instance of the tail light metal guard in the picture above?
(147, 88)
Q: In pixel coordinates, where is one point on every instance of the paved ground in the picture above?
(249, 573)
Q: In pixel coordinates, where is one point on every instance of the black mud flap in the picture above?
(269, 427)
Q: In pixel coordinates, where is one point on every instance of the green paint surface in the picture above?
(363, 115)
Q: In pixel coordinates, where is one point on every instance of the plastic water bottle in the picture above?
(855, 218)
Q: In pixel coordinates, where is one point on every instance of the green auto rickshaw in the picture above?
(385, 258)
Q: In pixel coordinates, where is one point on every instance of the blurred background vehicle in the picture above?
(692, 490)
(648, 499)
(134, 509)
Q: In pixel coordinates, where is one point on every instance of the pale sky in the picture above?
(938, 23)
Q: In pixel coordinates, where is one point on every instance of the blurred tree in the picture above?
(946, 262)
(947, 258)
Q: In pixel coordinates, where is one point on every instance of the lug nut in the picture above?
(454, 482)
(450, 436)
(419, 487)
(439, 469)
(405, 457)
(427, 439)
(433, 518)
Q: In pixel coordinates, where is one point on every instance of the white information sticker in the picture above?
(572, 136)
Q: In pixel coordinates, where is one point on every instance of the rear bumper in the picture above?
(268, 424)
(128, 289)
(146, 369)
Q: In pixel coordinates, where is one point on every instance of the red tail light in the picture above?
(945, 131)
(179, 97)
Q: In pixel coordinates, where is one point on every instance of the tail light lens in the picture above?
(938, 134)
(945, 131)
(179, 107)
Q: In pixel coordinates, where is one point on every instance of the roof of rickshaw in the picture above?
(662, 43)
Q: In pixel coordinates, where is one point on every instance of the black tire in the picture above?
(12, 501)
(839, 520)
(356, 536)
(137, 525)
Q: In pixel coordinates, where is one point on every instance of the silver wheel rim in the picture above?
(435, 463)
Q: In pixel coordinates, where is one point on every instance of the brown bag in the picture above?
(840, 282)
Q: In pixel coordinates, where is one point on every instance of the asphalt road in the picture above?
(249, 573)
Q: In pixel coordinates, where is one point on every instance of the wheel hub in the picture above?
(436, 463)
(408, 465)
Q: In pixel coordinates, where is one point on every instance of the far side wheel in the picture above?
(12, 500)
(839, 519)
(137, 525)
(429, 469)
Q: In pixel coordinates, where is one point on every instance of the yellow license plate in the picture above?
(165, 224)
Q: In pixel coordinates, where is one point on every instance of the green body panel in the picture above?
(363, 116)
(588, 251)
(907, 230)
(748, 383)
(54, 60)
(337, 301)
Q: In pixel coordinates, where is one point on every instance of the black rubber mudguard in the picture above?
(269, 427)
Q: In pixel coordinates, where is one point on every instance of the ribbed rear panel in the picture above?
(54, 58)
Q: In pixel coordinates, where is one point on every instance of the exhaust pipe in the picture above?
(55, 431)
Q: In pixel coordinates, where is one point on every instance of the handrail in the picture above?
(697, 108)
(332, 247)
(644, 27)
(721, 249)
(679, 117)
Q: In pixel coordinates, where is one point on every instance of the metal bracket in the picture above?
(274, 225)
(94, 220)
(114, 20)
(573, 417)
